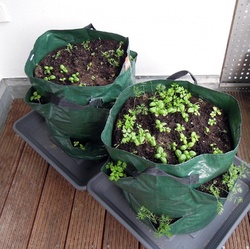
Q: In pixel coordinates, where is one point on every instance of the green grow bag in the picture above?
(207, 166)
(162, 188)
(75, 113)
(175, 197)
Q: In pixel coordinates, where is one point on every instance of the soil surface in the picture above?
(217, 182)
(219, 135)
(95, 63)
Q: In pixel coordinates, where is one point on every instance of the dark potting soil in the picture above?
(217, 182)
(95, 63)
(219, 135)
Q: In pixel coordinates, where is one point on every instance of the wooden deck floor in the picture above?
(40, 209)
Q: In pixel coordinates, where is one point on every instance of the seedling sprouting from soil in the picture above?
(36, 96)
(229, 185)
(117, 170)
(161, 223)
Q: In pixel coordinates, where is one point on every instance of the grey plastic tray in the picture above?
(33, 129)
(211, 237)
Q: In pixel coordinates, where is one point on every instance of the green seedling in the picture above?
(119, 51)
(162, 126)
(229, 180)
(69, 48)
(74, 78)
(48, 69)
(162, 221)
(51, 77)
(86, 45)
(212, 121)
(117, 170)
(36, 96)
(63, 69)
(89, 66)
(161, 155)
(78, 144)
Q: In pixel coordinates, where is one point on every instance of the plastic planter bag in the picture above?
(75, 113)
(171, 189)
(175, 197)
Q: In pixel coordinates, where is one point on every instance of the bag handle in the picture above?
(180, 74)
(63, 102)
(90, 26)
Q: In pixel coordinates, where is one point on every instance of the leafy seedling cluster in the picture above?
(89, 63)
(173, 139)
(117, 170)
(161, 223)
(229, 185)
(78, 144)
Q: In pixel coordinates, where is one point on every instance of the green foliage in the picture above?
(161, 154)
(48, 69)
(161, 126)
(216, 150)
(163, 222)
(229, 181)
(51, 77)
(89, 66)
(36, 96)
(86, 45)
(112, 55)
(175, 99)
(117, 170)
(69, 47)
(63, 69)
(74, 78)
(78, 144)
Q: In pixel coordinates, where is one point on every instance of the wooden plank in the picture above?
(53, 215)
(11, 147)
(240, 238)
(20, 208)
(244, 103)
(117, 236)
(87, 223)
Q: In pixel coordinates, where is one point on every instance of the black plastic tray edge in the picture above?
(216, 242)
(53, 162)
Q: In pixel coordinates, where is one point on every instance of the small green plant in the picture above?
(216, 150)
(158, 108)
(62, 79)
(51, 77)
(141, 109)
(57, 55)
(48, 69)
(117, 170)
(86, 45)
(229, 180)
(179, 128)
(161, 126)
(36, 96)
(69, 48)
(63, 69)
(119, 50)
(78, 144)
(212, 121)
(161, 223)
(90, 64)
(74, 78)
(161, 154)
